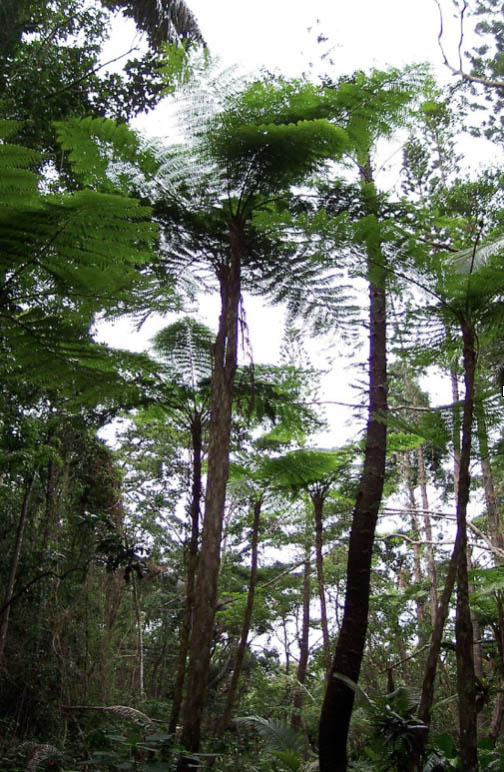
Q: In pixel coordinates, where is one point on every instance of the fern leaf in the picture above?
(279, 737)
(122, 711)
(40, 755)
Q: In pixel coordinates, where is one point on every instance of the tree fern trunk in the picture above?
(9, 591)
(463, 625)
(318, 509)
(140, 646)
(304, 641)
(429, 677)
(221, 400)
(431, 563)
(247, 619)
(196, 441)
(338, 701)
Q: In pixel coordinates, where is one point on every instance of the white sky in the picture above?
(274, 34)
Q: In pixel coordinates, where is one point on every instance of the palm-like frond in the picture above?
(162, 20)
(38, 754)
(277, 735)
(186, 348)
(124, 712)
(305, 467)
(465, 259)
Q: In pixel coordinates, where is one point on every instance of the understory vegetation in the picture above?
(192, 576)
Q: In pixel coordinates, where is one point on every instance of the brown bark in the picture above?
(9, 590)
(429, 678)
(456, 431)
(304, 643)
(493, 515)
(318, 511)
(477, 648)
(498, 711)
(139, 626)
(247, 619)
(221, 400)
(463, 627)
(185, 633)
(417, 561)
(431, 563)
(338, 701)
(457, 569)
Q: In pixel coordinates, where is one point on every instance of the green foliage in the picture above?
(281, 741)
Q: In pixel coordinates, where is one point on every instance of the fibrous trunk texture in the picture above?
(247, 619)
(431, 563)
(9, 590)
(463, 627)
(318, 511)
(192, 560)
(221, 400)
(304, 642)
(339, 698)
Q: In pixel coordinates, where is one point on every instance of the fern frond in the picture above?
(277, 735)
(186, 346)
(162, 20)
(122, 711)
(39, 755)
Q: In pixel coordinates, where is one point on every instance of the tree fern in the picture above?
(162, 20)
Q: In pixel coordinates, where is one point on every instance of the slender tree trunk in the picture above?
(463, 627)
(304, 642)
(139, 626)
(9, 590)
(456, 431)
(196, 441)
(417, 561)
(431, 563)
(498, 711)
(339, 698)
(429, 678)
(247, 619)
(496, 538)
(221, 402)
(318, 511)
(488, 481)
(477, 648)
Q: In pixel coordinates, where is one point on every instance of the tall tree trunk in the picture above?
(429, 678)
(488, 482)
(417, 561)
(496, 537)
(139, 626)
(304, 641)
(9, 590)
(221, 402)
(463, 627)
(318, 511)
(247, 619)
(477, 648)
(339, 698)
(498, 711)
(456, 430)
(431, 563)
(192, 560)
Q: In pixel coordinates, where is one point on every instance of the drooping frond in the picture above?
(39, 754)
(466, 260)
(163, 20)
(121, 711)
(304, 467)
(186, 348)
(277, 735)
